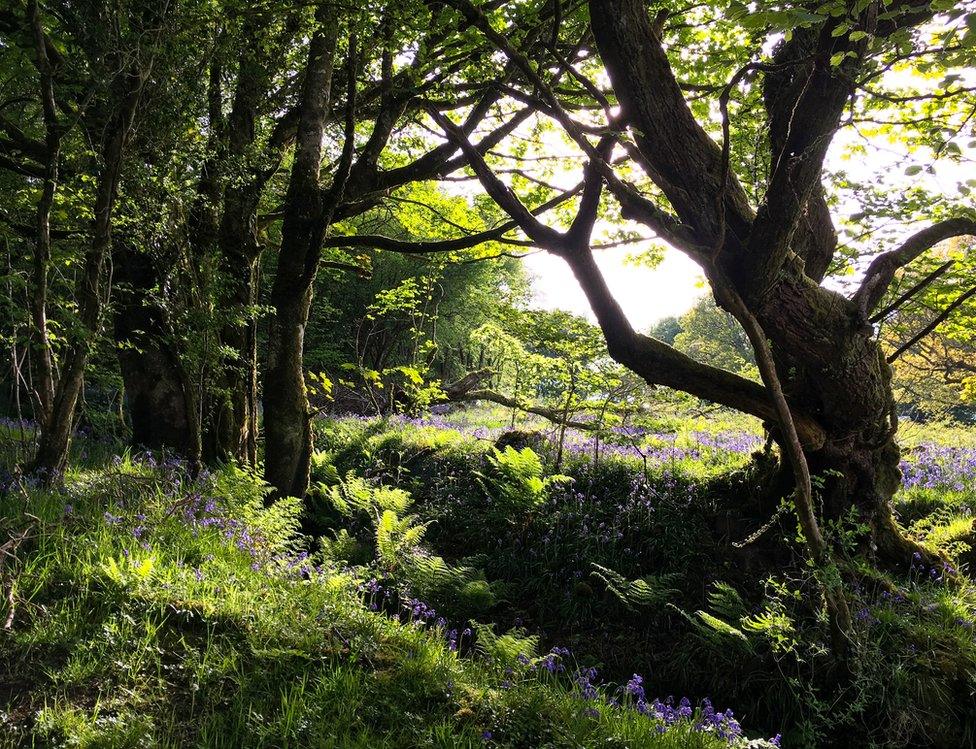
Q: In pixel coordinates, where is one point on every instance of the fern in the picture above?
(717, 628)
(516, 480)
(715, 632)
(649, 591)
(356, 494)
(397, 538)
(726, 602)
(505, 648)
(774, 625)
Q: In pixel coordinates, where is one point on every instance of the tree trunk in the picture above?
(233, 413)
(160, 396)
(55, 440)
(44, 378)
(231, 431)
(287, 419)
(837, 374)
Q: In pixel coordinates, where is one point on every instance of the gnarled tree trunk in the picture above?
(772, 258)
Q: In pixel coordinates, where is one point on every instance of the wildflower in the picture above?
(584, 680)
(635, 687)
(550, 664)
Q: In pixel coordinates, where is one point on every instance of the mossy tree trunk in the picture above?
(55, 439)
(287, 418)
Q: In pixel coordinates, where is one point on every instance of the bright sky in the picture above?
(645, 294)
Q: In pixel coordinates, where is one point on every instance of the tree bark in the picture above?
(55, 439)
(287, 419)
(159, 394)
(43, 380)
(232, 417)
(232, 422)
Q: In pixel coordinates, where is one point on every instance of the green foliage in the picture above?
(516, 483)
(650, 591)
(712, 335)
(203, 639)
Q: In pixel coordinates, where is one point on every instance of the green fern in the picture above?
(356, 494)
(504, 648)
(516, 480)
(650, 591)
(726, 602)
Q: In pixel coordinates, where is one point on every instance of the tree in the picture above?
(104, 73)
(666, 329)
(763, 237)
(358, 182)
(708, 333)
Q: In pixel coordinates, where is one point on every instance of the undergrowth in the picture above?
(151, 609)
(642, 567)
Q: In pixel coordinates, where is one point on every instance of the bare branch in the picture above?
(935, 322)
(882, 269)
(538, 232)
(660, 364)
(897, 304)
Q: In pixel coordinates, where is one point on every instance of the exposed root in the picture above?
(898, 551)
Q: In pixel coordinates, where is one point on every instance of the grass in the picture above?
(466, 598)
(155, 610)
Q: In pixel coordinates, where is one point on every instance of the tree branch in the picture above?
(936, 322)
(882, 269)
(897, 304)
(421, 247)
(660, 364)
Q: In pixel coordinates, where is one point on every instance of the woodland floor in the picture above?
(463, 596)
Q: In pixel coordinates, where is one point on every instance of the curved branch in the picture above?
(660, 364)
(882, 269)
(550, 414)
(538, 232)
(935, 322)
